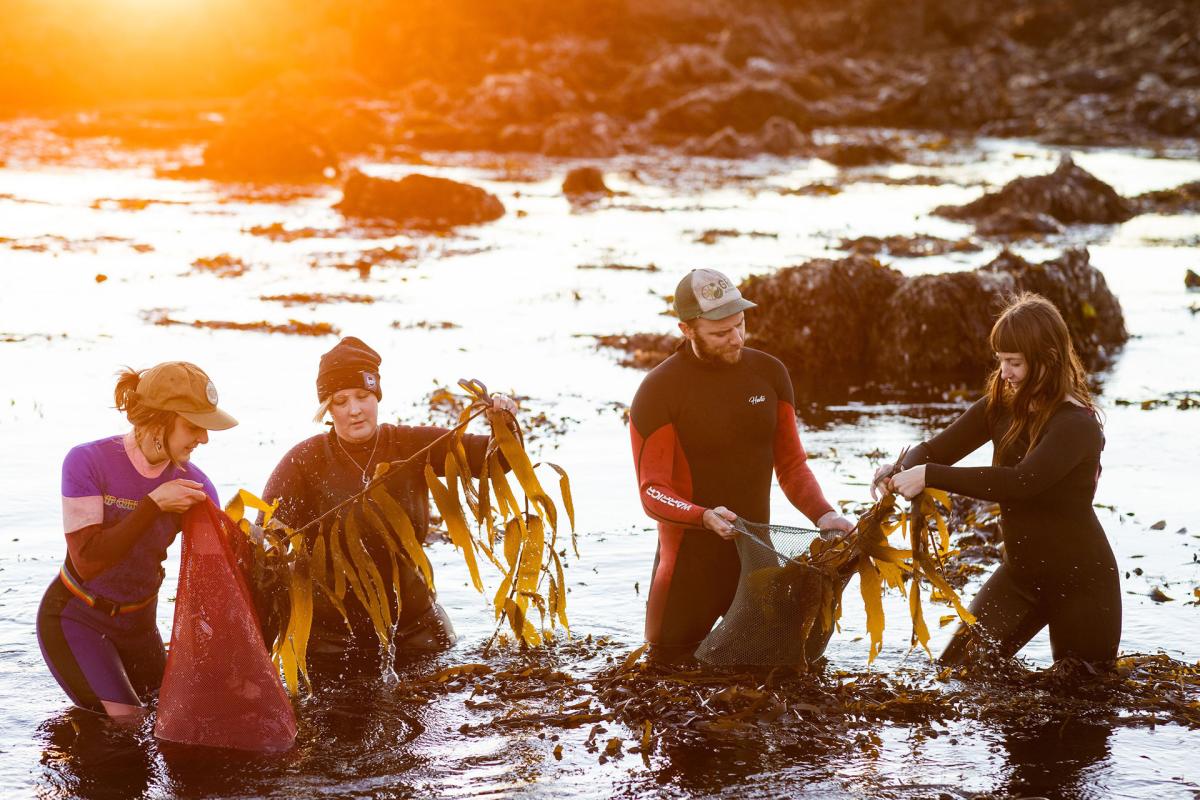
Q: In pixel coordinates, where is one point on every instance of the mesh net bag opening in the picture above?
(220, 688)
(778, 597)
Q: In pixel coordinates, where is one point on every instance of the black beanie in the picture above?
(351, 364)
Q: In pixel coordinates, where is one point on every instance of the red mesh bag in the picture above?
(220, 688)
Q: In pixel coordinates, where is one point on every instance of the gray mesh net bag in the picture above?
(775, 618)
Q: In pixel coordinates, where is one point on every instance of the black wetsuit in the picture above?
(321, 472)
(1058, 568)
(707, 435)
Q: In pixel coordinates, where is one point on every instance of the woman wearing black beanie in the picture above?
(324, 470)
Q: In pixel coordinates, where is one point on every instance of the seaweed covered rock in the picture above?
(418, 200)
(1191, 280)
(854, 323)
(269, 147)
(934, 330)
(1069, 194)
(819, 317)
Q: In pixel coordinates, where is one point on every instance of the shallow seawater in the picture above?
(526, 315)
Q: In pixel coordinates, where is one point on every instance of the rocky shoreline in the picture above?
(715, 79)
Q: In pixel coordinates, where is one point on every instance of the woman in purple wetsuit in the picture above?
(122, 497)
(1058, 569)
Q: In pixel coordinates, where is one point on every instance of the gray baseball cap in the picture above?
(709, 294)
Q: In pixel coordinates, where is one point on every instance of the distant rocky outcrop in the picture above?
(1070, 195)
(418, 201)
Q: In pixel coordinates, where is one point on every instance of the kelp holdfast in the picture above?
(220, 688)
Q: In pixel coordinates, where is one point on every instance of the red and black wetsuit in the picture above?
(705, 435)
(1058, 568)
(321, 472)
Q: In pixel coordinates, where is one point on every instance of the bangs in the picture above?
(1004, 337)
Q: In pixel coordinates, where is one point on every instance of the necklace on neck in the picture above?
(364, 468)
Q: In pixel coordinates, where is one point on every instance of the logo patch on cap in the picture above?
(714, 290)
(210, 391)
(370, 382)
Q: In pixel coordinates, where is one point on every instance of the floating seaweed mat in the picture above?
(220, 688)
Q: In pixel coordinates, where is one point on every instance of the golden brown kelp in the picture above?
(822, 570)
(362, 545)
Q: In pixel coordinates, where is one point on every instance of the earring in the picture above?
(157, 443)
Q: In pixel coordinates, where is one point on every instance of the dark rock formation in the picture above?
(1069, 194)
(418, 201)
(583, 181)
(594, 135)
(663, 79)
(855, 323)
(1010, 224)
(859, 154)
(917, 246)
(934, 329)
(269, 147)
(642, 350)
(1183, 199)
(746, 105)
(1191, 280)
(819, 318)
(781, 137)
(517, 97)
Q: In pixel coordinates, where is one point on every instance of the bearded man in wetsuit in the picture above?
(709, 425)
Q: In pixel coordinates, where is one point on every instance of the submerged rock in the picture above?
(418, 200)
(1069, 194)
(583, 181)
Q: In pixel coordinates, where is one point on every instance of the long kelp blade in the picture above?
(393, 550)
(523, 469)
(562, 593)
(402, 526)
(871, 588)
(299, 628)
(939, 583)
(452, 514)
(363, 572)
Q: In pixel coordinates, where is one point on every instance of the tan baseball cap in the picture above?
(185, 389)
(709, 294)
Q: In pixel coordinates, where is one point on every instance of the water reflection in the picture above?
(1054, 760)
(86, 756)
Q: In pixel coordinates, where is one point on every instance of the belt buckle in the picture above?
(106, 606)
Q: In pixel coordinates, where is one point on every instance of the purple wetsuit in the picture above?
(93, 653)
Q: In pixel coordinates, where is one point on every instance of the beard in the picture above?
(727, 355)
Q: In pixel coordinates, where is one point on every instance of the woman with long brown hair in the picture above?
(122, 497)
(1058, 569)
